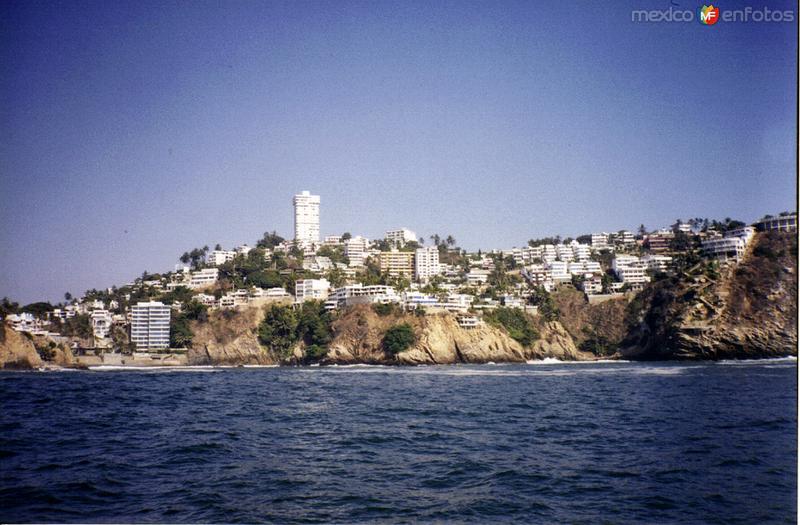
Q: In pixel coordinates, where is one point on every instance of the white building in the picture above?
(477, 277)
(592, 284)
(218, 257)
(559, 271)
(626, 237)
(600, 241)
(630, 270)
(306, 219)
(150, 325)
(426, 263)
(657, 263)
(356, 249)
(204, 277)
(360, 294)
(581, 252)
(317, 263)
(332, 240)
(311, 289)
(400, 237)
(243, 249)
(784, 223)
(101, 323)
(725, 249)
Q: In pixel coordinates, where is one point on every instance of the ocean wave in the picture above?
(791, 359)
(555, 361)
(161, 368)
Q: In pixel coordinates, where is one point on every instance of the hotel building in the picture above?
(306, 219)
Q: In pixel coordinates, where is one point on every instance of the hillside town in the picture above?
(426, 276)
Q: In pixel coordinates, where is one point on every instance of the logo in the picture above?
(708, 15)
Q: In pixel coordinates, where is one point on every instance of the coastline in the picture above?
(533, 362)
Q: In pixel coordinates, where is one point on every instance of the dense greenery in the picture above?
(398, 338)
(385, 309)
(518, 325)
(597, 344)
(283, 327)
(180, 333)
(78, 326)
(546, 306)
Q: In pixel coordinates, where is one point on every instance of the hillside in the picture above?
(359, 332)
(744, 311)
(229, 337)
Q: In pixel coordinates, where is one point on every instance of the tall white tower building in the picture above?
(306, 219)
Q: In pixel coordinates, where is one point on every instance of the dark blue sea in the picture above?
(557, 442)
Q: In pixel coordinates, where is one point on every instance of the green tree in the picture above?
(278, 330)
(270, 240)
(196, 311)
(518, 325)
(78, 326)
(398, 338)
(180, 333)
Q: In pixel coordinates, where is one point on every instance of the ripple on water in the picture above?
(550, 442)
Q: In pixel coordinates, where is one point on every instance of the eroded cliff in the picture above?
(742, 311)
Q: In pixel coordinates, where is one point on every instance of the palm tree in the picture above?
(450, 241)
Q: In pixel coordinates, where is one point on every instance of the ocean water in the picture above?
(553, 442)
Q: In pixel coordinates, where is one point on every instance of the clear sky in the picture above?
(134, 131)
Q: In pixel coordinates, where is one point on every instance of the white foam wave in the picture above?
(555, 361)
(791, 359)
(159, 368)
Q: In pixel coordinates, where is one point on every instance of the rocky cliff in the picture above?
(358, 336)
(17, 351)
(742, 311)
(229, 337)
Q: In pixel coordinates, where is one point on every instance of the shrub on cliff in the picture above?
(283, 327)
(398, 338)
(278, 330)
(384, 309)
(518, 325)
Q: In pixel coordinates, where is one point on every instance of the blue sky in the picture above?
(134, 131)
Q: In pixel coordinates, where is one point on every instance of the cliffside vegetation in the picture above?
(707, 312)
(519, 325)
(283, 327)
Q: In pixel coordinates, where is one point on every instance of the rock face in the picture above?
(743, 311)
(230, 338)
(17, 351)
(440, 340)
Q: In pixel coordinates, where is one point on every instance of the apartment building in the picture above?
(311, 289)
(725, 249)
(218, 257)
(783, 223)
(360, 294)
(306, 219)
(332, 240)
(317, 263)
(631, 271)
(558, 271)
(150, 325)
(203, 278)
(397, 263)
(101, 323)
(356, 249)
(399, 238)
(657, 263)
(426, 263)
(477, 277)
(657, 243)
(600, 241)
